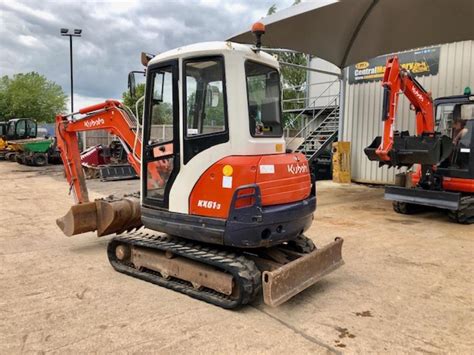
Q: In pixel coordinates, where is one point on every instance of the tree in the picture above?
(294, 79)
(130, 101)
(31, 95)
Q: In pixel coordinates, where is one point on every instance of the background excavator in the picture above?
(234, 204)
(442, 149)
(13, 130)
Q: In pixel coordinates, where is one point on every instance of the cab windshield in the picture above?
(263, 91)
(457, 121)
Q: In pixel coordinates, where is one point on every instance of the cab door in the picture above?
(160, 158)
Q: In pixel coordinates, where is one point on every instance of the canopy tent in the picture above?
(345, 32)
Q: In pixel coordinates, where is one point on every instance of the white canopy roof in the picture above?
(345, 32)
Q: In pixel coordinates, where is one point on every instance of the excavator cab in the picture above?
(14, 130)
(20, 128)
(213, 131)
(455, 118)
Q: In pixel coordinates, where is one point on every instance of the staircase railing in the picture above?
(290, 123)
(330, 134)
(332, 103)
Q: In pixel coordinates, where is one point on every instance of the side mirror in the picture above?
(132, 86)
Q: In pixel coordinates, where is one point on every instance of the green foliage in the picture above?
(162, 113)
(294, 79)
(30, 95)
(214, 116)
(131, 101)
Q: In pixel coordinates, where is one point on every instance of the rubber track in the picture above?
(465, 215)
(246, 275)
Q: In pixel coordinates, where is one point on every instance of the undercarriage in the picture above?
(223, 276)
(460, 206)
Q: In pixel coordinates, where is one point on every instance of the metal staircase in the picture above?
(318, 140)
(317, 112)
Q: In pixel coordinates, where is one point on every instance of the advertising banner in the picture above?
(419, 62)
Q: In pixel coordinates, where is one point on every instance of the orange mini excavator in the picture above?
(231, 203)
(442, 149)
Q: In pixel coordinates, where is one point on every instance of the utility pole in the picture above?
(76, 33)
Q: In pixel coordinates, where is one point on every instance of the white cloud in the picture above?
(164, 24)
(235, 8)
(36, 12)
(210, 3)
(30, 41)
(81, 101)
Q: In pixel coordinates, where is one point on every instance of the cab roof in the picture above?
(213, 48)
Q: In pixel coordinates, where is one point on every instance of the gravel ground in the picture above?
(407, 285)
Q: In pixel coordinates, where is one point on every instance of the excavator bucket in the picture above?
(106, 216)
(427, 149)
(281, 284)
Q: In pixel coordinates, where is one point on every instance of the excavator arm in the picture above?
(105, 216)
(111, 116)
(395, 148)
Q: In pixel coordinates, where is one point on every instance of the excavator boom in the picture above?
(109, 215)
(395, 148)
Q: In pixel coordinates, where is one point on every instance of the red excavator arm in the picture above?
(396, 80)
(395, 148)
(111, 116)
(109, 215)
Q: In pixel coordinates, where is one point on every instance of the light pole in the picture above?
(76, 33)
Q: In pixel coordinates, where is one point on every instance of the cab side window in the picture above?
(161, 129)
(205, 106)
(21, 128)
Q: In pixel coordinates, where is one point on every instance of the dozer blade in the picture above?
(418, 196)
(285, 282)
(427, 149)
(104, 216)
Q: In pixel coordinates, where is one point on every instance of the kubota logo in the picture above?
(94, 123)
(362, 65)
(297, 168)
(417, 94)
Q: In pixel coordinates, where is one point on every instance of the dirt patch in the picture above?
(363, 314)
